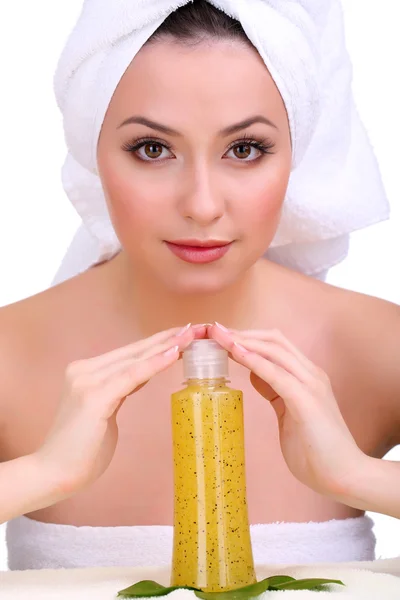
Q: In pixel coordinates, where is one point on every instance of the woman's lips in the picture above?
(199, 254)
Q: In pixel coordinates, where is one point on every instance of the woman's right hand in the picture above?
(82, 441)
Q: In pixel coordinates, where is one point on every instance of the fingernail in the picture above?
(184, 329)
(221, 327)
(240, 348)
(171, 351)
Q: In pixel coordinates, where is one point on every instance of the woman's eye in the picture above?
(151, 151)
(244, 151)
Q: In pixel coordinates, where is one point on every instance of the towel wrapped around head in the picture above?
(335, 185)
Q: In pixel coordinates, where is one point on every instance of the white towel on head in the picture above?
(335, 185)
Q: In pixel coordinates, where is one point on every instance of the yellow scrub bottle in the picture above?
(212, 547)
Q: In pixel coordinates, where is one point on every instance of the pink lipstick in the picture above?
(199, 251)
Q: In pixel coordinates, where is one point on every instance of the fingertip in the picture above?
(213, 330)
(184, 330)
(171, 352)
(221, 327)
(199, 332)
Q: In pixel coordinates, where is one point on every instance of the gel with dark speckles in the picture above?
(212, 548)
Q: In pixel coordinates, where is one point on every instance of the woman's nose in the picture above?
(202, 201)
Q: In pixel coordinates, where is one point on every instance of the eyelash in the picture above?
(264, 145)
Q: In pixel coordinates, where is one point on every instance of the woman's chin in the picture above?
(201, 284)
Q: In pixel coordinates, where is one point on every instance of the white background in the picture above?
(37, 223)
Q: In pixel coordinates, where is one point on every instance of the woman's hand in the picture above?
(82, 441)
(315, 440)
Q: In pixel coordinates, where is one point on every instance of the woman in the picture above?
(192, 252)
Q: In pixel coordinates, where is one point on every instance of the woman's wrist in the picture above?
(372, 486)
(54, 481)
(27, 485)
(380, 489)
(355, 485)
(349, 480)
(43, 484)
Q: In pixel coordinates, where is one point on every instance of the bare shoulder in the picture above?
(370, 325)
(16, 333)
(22, 321)
(17, 355)
(367, 329)
(42, 334)
(38, 335)
(22, 331)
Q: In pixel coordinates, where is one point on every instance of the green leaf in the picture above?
(304, 584)
(278, 579)
(248, 591)
(149, 589)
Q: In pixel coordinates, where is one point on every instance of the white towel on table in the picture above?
(335, 185)
(377, 580)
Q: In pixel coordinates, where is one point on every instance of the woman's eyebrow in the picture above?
(223, 132)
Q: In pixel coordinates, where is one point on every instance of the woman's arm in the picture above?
(373, 331)
(26, 486)
(376, 488)
(82, 440)
(315, 440)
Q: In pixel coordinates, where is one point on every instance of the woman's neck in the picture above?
(146, 306)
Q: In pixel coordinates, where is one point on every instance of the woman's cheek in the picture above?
(128, 206)
(134, 213)
(265, 202)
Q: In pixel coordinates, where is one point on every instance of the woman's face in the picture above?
(195, 149)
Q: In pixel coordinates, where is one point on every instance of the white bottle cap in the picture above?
(205, 359)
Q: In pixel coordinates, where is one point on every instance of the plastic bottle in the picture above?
(212, 548)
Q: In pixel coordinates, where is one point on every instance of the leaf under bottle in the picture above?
(151, 589)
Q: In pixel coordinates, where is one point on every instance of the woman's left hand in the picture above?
(315, 440)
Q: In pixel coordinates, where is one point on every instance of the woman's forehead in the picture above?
(216, 77)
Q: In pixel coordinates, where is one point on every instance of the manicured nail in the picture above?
(221, 327)
(184, 329)
(171, 351)
(240, 348)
